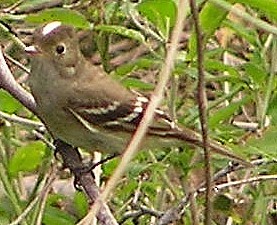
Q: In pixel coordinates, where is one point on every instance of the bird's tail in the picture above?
(195, 138)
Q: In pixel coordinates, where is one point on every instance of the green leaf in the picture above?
(161, 13)
(134, 65)
(211, 18)
(123, 31)
(6, 210)
(272, 110)
(34, 5)
(222, 203)
(219, 66)
(135, 169)
(127, 190)
(249, 34)
(227, 112)
(27, 158)
(110, 166)
(268, 7)
(55, 216)
(265, 145)
(66, 16)
(257, 74)
(6, 3)
(80, 204)
(137, 84)
(8, 103)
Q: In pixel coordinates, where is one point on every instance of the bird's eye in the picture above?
(60, 49)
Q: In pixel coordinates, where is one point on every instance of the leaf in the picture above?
(55, 216)
(35, 5)
(265, 145)
(268, 7)
(6, 210)
(8, 103)
(6, 3)
(27, 158)
(81, 204)
(227, 112)
(127, 190)
(137, 84)
(109, 167)
(249, 34)
(134, 65)
(66, 16)
(222, 203)
(256, 73)
(211, 18)
(123, 31)
(161, 13)
(272, 110)
(219, 66)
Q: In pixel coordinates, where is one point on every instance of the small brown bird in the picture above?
(83, 106)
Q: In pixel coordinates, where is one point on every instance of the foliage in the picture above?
(132, 38)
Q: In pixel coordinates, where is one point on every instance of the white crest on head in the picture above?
(48, 28)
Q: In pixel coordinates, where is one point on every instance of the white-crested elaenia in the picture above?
(83, 106)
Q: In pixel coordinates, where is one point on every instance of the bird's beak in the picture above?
(32, 50)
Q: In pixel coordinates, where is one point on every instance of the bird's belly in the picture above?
(65, 126)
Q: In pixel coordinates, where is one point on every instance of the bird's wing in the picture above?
(116, 115)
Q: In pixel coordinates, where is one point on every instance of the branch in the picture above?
(8, 83)
(174, 213)
(202, 105)
(72, 160)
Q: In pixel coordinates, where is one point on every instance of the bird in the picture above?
(82, 105)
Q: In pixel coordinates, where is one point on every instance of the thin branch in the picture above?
(261, 178)
(72, 160)
(174, 213)
(145, 27)
(41, 137)
(140, 212)
(203, 109)
(193, 206)
(43, 192)
(8, 83)
(20, 120)
(246, 16)
(18, 64)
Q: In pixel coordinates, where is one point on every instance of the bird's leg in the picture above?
(71, 159)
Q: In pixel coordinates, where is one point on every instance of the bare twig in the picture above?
(240, 182)
(20, 120)
(8, 83)
(49, 180)
(140, 212)
(145, 27)
(202, 104)
(174, 213)
(72, 160)
(193, 206)
(15, 62)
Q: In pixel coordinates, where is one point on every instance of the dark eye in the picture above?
(60, 49)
